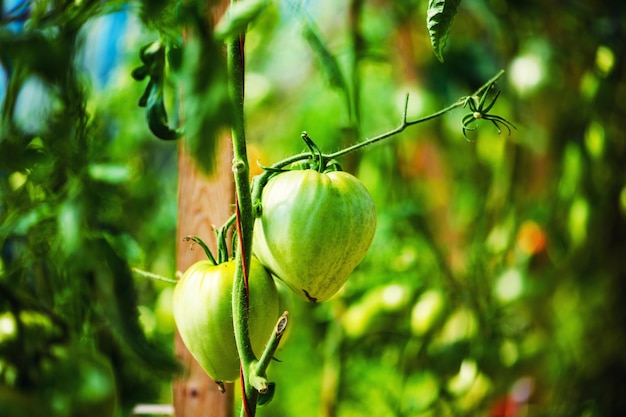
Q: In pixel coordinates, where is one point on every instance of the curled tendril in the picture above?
(480, 111)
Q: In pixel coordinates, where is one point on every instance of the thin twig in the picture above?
(406, 123)
(151, 275)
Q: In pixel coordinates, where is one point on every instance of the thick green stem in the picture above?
(245, 222)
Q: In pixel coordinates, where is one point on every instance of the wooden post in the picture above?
(203, 202)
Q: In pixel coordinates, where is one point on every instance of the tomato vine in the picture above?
(255, 386)
(253, 380)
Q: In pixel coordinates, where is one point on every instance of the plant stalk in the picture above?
(244, 222)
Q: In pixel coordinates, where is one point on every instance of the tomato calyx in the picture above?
(222, 244)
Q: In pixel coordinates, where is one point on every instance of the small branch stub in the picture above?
(281, 326)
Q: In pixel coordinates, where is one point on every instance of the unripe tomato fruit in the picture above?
(202, 306)
(314, 230)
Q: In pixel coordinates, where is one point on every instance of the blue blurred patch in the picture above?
(103, 49)
(14, 13)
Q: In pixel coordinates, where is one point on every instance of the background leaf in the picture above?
(327, 61)
(521, 238)
(439, 21)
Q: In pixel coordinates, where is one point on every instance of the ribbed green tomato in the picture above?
(314, 230)
(202, 306)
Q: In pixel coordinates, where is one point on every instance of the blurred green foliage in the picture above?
(495, 280)
(86, 193)
(494, 283)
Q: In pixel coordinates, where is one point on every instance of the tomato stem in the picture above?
(318, 162)
(261, 180)
(244, 221)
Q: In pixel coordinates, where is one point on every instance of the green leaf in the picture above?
(117, 296)
(69, 223)
(156, 115)
(237, 18)
(327, 60)
(153, 57)
(439, 21)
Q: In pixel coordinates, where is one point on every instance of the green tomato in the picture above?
(202, 306)
(315, 228)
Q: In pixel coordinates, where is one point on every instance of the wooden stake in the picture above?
(203, 202)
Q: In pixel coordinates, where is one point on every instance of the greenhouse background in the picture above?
(495, 281)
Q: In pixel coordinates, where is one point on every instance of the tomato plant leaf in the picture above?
(439, 19)
(153, 58)
(118, 299)
(327, 60)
